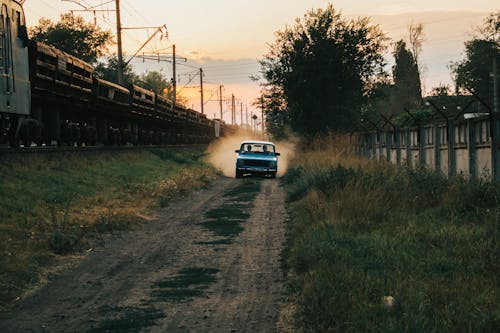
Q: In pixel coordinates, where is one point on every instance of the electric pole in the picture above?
(174, 79)
(201, 89)
(241, 113)
(220, 101)
(232, 110)
(246, 114)
(119, 40)
(262, 112)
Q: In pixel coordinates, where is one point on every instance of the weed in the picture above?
(363, 232)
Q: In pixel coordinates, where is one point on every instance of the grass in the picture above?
(225, 221)
(363, 230)
(187, 284)
(127, 319)
(51, 205)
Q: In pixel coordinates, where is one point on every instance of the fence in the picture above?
(472, 151)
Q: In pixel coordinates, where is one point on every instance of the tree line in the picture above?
(327, 73)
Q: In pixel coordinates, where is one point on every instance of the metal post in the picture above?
(220, 101)
(452, 154)
(174, 79)
(471, 145)
(119, 42)
(201, 90)
(408, 146)
(437, 150)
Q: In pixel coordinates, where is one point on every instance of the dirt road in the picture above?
(209, 262)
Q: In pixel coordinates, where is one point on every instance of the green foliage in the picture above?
(187, 284)
(127, 319)
(473, 72)
(109, 71)
(225, 221)
(407, 93)
(275, 110)
(320, 69)
(73, 35)
(155, 81)
(361, 233)
(416, 117)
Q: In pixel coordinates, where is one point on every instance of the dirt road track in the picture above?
(113, 286)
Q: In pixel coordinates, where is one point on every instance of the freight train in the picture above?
(49, 97)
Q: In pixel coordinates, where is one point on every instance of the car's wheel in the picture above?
(238, 174)
(273, 174)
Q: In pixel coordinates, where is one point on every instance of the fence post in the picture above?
(437, 151)
(471, 148)
(408, 146)
(421, 145)
(452, 156)
(397, 145)
(495, 162)
(388, 142)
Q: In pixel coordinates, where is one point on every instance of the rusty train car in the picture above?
(50, 97)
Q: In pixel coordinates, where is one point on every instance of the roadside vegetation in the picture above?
(374, 247)
(55, 205)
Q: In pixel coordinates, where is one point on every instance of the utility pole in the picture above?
(241, 113)
(232, 110)
(262, 112)
(201, 89)
(246, 114)
(174, 79)
(119, 40)
(220, 101)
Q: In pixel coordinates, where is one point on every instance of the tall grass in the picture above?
(364, 232)
(51, 205)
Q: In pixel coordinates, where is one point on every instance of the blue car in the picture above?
(257, 157)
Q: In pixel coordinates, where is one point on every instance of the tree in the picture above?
(155, 81)
(74, 36)
(275, 110)
(416, 39)
(475, 71)
(406, 91)
(109, 71)
(322, 68)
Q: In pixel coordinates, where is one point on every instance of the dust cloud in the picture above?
(222, 156)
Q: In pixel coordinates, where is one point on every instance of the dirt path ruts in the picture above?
(117, 280)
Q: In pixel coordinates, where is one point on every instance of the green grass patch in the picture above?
(226, 221)
(222, 241)
(127, 319)
(187, 284)
(362, 232)
(51, 204)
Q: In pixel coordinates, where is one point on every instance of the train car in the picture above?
(15, 94)
(50, 97)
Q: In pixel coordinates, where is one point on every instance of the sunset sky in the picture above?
(227, 38)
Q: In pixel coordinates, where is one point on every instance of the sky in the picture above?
(227, 37)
